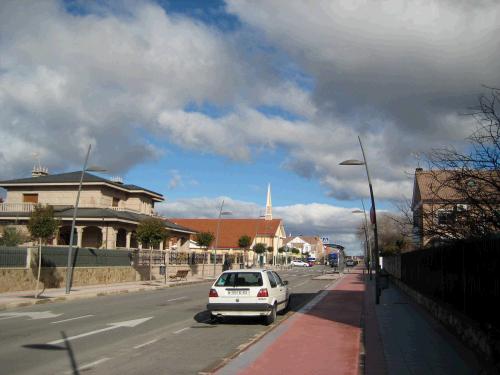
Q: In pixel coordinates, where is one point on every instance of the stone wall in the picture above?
(17, 279)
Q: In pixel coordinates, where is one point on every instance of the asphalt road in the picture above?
(158, 332)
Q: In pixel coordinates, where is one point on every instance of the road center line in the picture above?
(67, 320)
(181, 330)
(176, 299)
(145, 344)
(89, 365)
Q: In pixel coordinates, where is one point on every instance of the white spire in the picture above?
(269, 206)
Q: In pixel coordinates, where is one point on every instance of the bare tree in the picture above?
(466, 186)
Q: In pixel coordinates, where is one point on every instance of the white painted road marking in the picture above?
(88, 366)
(32, 315)
(67, 320)
(176, 299)
(181, 330)
(128, 323)
(146, 343)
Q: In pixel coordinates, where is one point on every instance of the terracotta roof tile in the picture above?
(231, 230)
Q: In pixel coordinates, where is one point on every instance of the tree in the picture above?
(204, 240)
(150, 233)
(473, 178)
(12, 237)
(259, 248)
(281, 250)
(42, 227)
(394, 234)
(244, 243)
(295, 251)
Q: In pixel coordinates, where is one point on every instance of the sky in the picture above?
(210, 100)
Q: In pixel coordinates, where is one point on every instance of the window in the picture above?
(226, 279)
(272, 280)
(30, 198)
(116, 201)
(445, 217)
(278, 278)
(238, 279)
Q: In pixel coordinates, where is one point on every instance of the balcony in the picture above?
(16, 207)
(28, 208)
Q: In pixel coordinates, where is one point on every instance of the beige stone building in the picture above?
(450, 204)
(108, 211)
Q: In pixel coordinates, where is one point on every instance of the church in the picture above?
(227, 231)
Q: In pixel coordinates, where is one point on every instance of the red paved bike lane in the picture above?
(323, 340)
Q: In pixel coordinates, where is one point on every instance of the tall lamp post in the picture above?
(75, 210)
(373, 217)
(221, 213)
(368, 249)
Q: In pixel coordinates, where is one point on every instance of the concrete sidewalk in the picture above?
(27, 298)
(342, 331)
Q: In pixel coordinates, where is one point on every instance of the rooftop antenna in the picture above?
(418, 157)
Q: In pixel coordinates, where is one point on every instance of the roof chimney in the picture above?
(117, 180)
(39, 171)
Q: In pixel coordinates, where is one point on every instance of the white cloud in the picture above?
(337, 223)
(397, 73)
(67, 80)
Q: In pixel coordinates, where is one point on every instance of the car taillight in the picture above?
(263, 293)
(213, 293)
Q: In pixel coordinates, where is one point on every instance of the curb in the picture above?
(104, 293)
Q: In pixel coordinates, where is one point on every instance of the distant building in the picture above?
(266, 230)
(307, 244)
(108, 211)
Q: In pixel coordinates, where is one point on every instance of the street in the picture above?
(163, 331)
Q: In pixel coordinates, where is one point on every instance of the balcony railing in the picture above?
(28, 208)
(16, 207)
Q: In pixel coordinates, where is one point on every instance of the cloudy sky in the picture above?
(211, 100)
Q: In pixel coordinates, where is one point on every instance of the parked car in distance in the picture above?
(299, 263)
(252, 292)
(349, 263)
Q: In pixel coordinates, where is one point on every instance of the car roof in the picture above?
(249, 270)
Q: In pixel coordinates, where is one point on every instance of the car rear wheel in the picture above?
(287, 306)
(269, 319)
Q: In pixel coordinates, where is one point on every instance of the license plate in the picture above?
(237, 292)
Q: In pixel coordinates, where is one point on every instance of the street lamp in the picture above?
(374, 217)
(75, 210)
(368, 250)
(221, 213)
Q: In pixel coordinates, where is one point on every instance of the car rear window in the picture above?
(237, 279)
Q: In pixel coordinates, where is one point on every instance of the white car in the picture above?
(249, 293)
(299, 263)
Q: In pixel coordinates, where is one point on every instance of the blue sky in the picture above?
(210, 100)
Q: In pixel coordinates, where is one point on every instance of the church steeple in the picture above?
(269, 206)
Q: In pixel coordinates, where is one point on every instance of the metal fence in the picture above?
(87, 257)
(141, 257)
(58, 257)
(462, 275)
(12, 257)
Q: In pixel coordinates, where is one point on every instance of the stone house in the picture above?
(108, 211)
(449, 204)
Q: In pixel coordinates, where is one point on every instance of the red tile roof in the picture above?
(231, 230)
